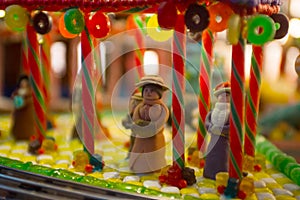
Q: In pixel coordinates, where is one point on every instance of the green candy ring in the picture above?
(74, 21)
(261, 29)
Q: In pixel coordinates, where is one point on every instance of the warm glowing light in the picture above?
(2, 13)
(294, 8)
(272, 59)
(151, 63)
(58, 58)
(248, 54)
(294, 29)
(291, 56)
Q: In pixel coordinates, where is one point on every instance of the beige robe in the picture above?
(148, 151)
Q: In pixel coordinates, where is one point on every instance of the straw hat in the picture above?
(152, 79)
(222, 88)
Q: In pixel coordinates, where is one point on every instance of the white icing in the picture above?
(291, 186)
(280, 191)
(259, 184)
(108, 175)
(63, 161)
(265, 196)
(151, 183)
(205, 190)
(22, 151)
(131, 178)
(44, 157)
(278, 175)
(268, 180)
(5, 147)
(170, 189)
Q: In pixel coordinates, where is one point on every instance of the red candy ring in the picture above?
(283, 22)
(196, 18)
(219, 15)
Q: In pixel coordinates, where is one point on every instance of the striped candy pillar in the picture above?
(206, 63)
(24, 55)
(46, 66)
(139, 45)
(252, 105)
(36, 80)
(237, 104)
(178, 87)
(88, 95)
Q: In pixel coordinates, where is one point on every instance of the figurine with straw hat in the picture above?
(149, 118)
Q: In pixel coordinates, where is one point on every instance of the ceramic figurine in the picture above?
(135, 99)
(23, 114)
(149, 118)
(217, 124)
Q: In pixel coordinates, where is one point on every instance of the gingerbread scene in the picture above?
(150, 99)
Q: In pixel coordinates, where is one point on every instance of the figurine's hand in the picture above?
(144, 131)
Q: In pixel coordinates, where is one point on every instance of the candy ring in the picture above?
(167, 15)
(155, 32)
(261, 29)
(234, 29)
(74, 21)
(219, 14)
(196, 18)
(99, 25)
(42, 23)
(62, 29)
(282, 22)
(16, 17)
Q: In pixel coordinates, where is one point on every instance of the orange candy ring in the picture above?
(219, 14)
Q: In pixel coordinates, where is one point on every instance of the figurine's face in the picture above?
(24, 83)
(225, 97)
(150, 92)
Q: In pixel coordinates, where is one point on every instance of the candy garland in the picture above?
(178, 87)
(36, 80)
(204, 85)
(237, 110)
(88, 93)
(252, 103)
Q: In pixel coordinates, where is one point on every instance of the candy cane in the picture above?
(204, 85)
(252, 104)
(237, 110)
(88, 93)
(178, 88)
(36, 81)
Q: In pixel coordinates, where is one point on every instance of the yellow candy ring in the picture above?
(261, 29)
(155, 32)
(219, 14)
(234, 29)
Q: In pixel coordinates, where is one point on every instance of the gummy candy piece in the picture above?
(289, 167)
(81, 159)
(248, 163)
(247, 186)
(232, 188)
(222, 179)
(96, 161)
(295, 175)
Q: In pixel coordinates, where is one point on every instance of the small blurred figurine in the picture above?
(217, 124)
(135, 99)
(23, 115)
(149, 118)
